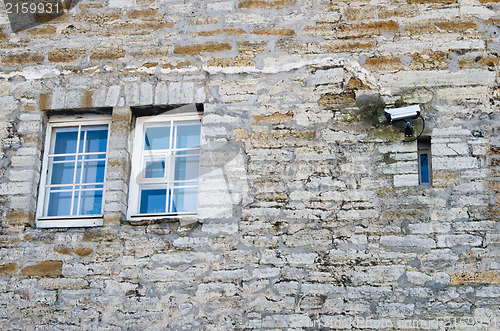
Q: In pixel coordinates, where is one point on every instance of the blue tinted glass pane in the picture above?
(185, 200)
(62, 173)
(95, 157)
(76, 203)
(93, 172)
(153, 201)
(185, 184)
(188, 152)
(78, 176)
(65, 141)
(59, 204)
(154, 169)
(63, 158)
(60, 188)
(157, 138)
(96, 139)
(424, 168)
(186, 168)
(188, 135)
(90, 202)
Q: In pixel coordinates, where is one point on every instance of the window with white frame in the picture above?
(165, 166)
(73, 171)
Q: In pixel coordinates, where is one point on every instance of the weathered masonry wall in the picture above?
(310, 214)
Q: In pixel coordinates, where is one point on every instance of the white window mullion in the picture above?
(75, 170)
(172, 135)
(171, 166)
(73, 154)
(81, 169)
(46, 200)
(168, 170)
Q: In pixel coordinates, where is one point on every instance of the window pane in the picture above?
(96, 139)
(62, 173)
(154, 169)
(153, 201)
(60, 188)
(93, 172)
(59, 204)
(65, 141)
(424, 168)
(157, 138)
(185, 200)
(62, 158)
(189, 152)
(95, 157)
(186, 168)
(188, 135)
(90, 202)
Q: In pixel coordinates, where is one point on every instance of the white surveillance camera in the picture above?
(402, 114)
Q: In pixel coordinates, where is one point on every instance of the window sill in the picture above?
(147, 219)
(68, 222)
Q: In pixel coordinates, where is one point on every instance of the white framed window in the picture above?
(165, 166)
(72, 182)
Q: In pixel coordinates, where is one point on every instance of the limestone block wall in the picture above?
(310, 213)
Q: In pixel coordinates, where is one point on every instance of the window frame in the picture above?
(68, 221)
(424, 148)
(133, 206)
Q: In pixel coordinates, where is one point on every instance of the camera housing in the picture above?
(402, 114)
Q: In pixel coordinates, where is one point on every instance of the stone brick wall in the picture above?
(310, 214)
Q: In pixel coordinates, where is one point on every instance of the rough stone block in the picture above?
(73, 100)
(459, 240)
(112, 96)
(490, 277)
(329, 76)
(454, 163)
(287, 321)
(27, 127)
(132, 94)
(122, 114)
(450, 132)
(403, 79)
(186, 92)
(196, 49)
(220, 228)
(99, 98)
(107, 53)
(200, 96)
(15, 188)
(121, 3)
(62, 284)
(398, 148)
(43, 269)
(174, 91)
(407, 243)
(406, 180)
(450, 149)
(492, 291)
(146, 94)
(161, 94)
(58, 97)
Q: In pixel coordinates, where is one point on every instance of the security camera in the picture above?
(406, 115)
(402, 114)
